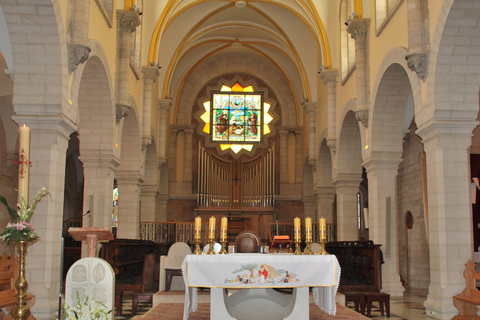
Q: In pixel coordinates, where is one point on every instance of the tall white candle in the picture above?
(24, 162)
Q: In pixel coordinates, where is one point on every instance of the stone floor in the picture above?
(409, 308)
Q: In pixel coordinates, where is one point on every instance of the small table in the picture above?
(260, 274)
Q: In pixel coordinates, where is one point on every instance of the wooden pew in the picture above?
(468, 301)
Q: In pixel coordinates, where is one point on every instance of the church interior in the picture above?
(147, 114)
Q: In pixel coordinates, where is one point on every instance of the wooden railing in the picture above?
(170, 232)
(287, 229)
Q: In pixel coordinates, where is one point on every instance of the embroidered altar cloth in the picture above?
(242, 271)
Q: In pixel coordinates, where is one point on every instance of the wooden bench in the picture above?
(8, 277)
(468, 301)
(382, 298)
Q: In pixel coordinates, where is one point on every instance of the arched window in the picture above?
(384, 10)
(347, 44)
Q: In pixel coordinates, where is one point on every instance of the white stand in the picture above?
(259, 304)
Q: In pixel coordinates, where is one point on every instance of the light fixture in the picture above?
(240, 4)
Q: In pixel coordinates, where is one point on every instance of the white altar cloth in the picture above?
(247, 271)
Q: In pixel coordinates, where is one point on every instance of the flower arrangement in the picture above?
(21, 229)
(89, 309)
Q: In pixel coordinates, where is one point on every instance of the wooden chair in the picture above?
(147, 288)
(247, 242)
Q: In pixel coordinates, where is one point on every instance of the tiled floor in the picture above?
(409, 308)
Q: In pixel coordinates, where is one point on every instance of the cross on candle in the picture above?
(24, 157)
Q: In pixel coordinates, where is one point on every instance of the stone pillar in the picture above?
(449, 211)
(49, 142)
(346, 188)
(128, 22)
(150, 75)
(148, 199)
(283, 155)
(163, 107)
(325, 196)
(329, 78)
(382, 191)
(78, 49)
(311, 111)
(187, 172)
(298, 156)
(129, 187)
(161, 213)
(359, 28)
(418, 42)
(99, 174)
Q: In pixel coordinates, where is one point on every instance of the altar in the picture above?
(259, 274)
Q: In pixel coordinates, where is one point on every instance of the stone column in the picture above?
(148, 199)
(99, 174)
(359, 28)
(187, 172)
(298, 156)
(129, 187)
(161, 213)
(128, 21)
(49, 142)
(150, 75)
(163, 107)
(329, 78)
(346, 188)
(283, 155)
(449, 211)
(418, 42)
(382, 170)
(325, 196)
(78, 49)
(311, 111)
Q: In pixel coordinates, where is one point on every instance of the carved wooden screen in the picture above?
(236, 184)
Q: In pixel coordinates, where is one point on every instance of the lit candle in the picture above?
(198, 228)
(297, 229)
(24, 162)
(223, 229)
(308, 229)
(323, 229)
(211, 228)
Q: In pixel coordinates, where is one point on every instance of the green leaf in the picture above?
(13, 213)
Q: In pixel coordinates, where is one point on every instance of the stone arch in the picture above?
(242, 65)
(129, 175)
(96, 119)
(349, 149)
(393, 84)
(454, 67)
(30, 92)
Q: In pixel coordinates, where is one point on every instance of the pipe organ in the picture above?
(224, 185)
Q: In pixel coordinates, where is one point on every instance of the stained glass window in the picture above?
(236, 117)
(239, 117)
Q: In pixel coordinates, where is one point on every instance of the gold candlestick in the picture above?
(308, 249)
(211, 249)
(223, 251)
(297, 248)
(21, 311)
(197, 247)
(322, 251)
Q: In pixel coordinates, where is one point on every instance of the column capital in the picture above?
(129, 176)
(77, 54)
(362, 116)
(383, 160)
(98, 159)
(448, 132)
(358, 28)
(164, 105)
(129, 20)
(418, 62)
(150, 73)
(329, 76)
(122, 110)
(310, 108)
(347, 180)
(47, 123)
